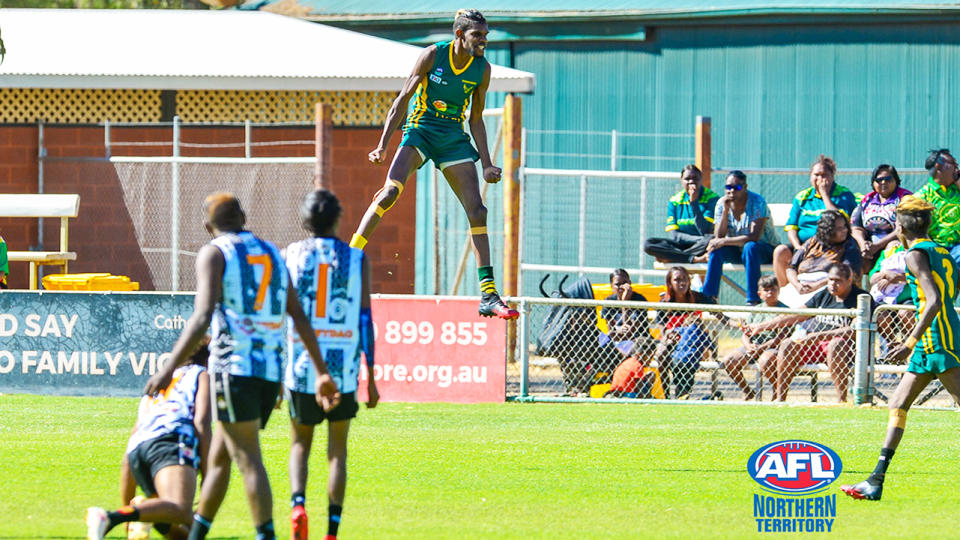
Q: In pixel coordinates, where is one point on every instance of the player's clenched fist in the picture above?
(328, 395)
(376, 156)
(492, 174)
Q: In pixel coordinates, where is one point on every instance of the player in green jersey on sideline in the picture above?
(932, 345)
(448, 77)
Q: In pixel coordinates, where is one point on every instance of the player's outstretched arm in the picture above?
(327, 393)
(479, 130)
(201, 420)
(398, 110)
(128, 485)
(209, 267)
(919, 265)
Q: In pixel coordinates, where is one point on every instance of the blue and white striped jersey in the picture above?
(248, 325)
(327, 274)
(170, 411)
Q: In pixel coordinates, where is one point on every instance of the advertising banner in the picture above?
(108, 344)
(437, 349)
(86, 343)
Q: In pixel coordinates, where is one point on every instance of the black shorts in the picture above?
(149, 457)
(241, 399)
(304, 408)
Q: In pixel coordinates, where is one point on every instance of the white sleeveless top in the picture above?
(248, 326)
(327, 274)
(170, 411)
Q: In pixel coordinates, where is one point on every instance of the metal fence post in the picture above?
(582, 234)
(613, 150)
(862, 381)
(523, 332)
(175, 208)
(41, 156)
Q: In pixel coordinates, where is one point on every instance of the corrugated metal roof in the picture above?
(177, 49)
(507, 9)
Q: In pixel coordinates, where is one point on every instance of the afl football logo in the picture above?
(794, 467)
(440, 105)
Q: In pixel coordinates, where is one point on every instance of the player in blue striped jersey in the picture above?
(244, 289)
(332, 281)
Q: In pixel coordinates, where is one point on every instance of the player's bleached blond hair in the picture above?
(222, 211)
(914, 215)
(465, 18)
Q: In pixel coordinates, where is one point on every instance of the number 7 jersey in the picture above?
(248, 325)
(328, 277)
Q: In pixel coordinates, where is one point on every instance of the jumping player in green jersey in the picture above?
(932, 345)
(447, 78)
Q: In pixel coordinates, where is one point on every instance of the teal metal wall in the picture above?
(778, 96)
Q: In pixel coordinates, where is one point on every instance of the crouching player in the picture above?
(168, 445)
(932, 345)
(333, 285)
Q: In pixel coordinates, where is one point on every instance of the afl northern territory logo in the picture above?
(794, 467)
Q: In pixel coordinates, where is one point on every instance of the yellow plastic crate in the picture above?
(97, 281)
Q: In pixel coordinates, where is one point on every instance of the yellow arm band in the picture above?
(910, 343)
(898, 418)
(474, 231)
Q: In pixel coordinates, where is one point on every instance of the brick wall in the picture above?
(103, 235)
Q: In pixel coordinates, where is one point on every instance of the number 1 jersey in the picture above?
(327, 274)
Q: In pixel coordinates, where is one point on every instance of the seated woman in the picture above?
(683, 338)
(744, 233)
(832, 244)
(874, 219)
(824, 194)
(625, 325)
(828, 338)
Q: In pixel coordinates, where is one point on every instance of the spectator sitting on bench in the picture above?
(824, 194)
(874, 219)
(807, 272)
(689, 222)
(683, 339)
(744, 233)
(943, 193)
(625, 325)
(828, 338)
(4, 264)
(760, 347)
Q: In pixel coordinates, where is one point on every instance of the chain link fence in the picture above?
(578, 349)
(894, 323)
(171, 234)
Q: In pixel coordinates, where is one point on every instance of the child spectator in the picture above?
(762, 346)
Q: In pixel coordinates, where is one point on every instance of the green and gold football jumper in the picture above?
(936, 351)
(435, 122)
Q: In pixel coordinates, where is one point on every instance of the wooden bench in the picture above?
(42, 206)
(779, 212)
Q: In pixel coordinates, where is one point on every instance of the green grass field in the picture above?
(505, 470)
